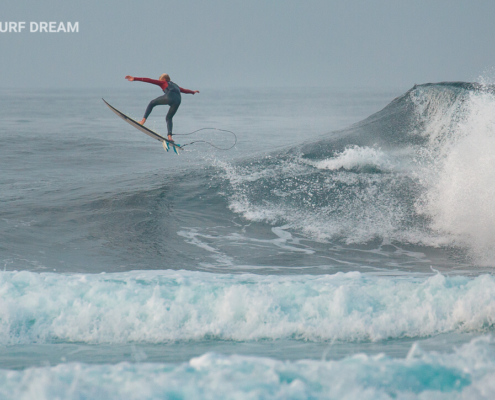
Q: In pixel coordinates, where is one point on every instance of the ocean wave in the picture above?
(467, 373)
(355, 206)
(164, 306)
(419, 171)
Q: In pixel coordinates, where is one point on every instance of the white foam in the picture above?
(358, 195)
(356, 157)
(365, 207)
(165, 306)
(459, 173)
(284, 241)
(467, 373)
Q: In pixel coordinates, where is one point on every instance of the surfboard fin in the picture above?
(165, 145)
(175, 149)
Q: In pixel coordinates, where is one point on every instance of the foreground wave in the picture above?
(168, 306)
(467, 373)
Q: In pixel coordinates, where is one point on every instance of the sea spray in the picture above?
(419, 171)
(459, 173)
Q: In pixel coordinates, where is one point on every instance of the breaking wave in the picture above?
(164, 306)
(420, 171)
(467, 373)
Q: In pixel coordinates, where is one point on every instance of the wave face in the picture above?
(420, 171)
(467, 373)
(157, 307)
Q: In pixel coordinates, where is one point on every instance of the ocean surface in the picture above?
(343, 249)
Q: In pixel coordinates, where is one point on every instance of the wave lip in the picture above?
(165, 306)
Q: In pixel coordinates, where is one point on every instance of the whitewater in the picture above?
(343, 249)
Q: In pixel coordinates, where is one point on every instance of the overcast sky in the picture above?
(206, 44)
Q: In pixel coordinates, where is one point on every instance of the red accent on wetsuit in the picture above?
(162, 84)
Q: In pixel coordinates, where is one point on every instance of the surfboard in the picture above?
(167, 144)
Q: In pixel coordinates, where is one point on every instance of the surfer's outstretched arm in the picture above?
(162, 83)
(182, 90)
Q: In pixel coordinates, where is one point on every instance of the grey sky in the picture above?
(204, 44)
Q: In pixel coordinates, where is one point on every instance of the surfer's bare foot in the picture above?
(142, 121)
(169, 137)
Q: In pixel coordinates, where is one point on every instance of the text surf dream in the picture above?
(39, 27)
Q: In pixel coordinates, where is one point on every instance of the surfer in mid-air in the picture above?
(171, 97)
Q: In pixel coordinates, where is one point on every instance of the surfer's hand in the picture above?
(196, 91)
(129, 78)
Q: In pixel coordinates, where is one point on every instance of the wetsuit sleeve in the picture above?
(162, 84)
(186, 91)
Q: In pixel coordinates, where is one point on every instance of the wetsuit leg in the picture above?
(171, 112)
(159, 101)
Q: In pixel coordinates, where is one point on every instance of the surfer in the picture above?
(171, 97)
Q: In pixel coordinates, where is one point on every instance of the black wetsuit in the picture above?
(172, 98)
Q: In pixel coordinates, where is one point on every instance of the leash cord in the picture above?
(207, 142)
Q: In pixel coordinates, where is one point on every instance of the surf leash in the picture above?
(207, 142)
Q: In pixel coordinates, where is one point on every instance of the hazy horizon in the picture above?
(221, 44)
